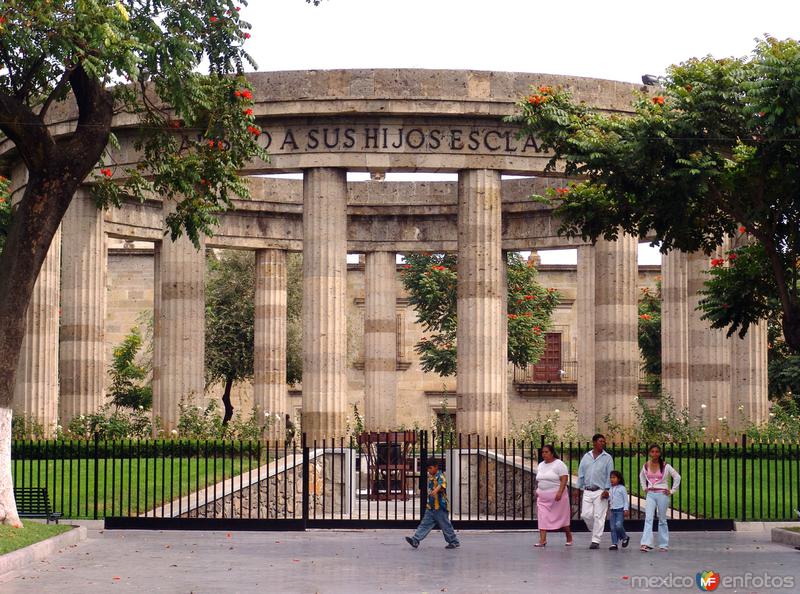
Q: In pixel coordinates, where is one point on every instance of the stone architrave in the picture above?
(36, 386)
(675, 327)
(269, 382)
(180, 327)
(481, 371)
(380, 342)
(324, 414)
(83, 310)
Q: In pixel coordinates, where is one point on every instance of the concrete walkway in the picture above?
(380, 561)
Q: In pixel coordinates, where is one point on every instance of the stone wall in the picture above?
(489, 485)
(280, 496)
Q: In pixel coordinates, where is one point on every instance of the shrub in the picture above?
(26, 427)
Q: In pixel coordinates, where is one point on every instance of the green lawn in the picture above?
(124, 486)
(12, 539)
(716, 488)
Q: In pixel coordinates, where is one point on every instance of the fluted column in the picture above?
(585, 347)
(675, 327)
(709, 352)
(480, 380)
(36, 387)
(157, 338)
(181, 336)
(616, 322)
(83, 309)
(324, 308)
(270, 339)
(749, 381)
(380, 342)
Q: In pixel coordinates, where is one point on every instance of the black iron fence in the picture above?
(379, 479)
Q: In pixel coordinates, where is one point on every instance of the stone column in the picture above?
(585, 347)
(36, 386)
(83, 309)
(380, 342)
(181, 327)
(675, 327)
(616, 340)
(269, 384)
(749, 389)
(324, 307)
(157, 323)
(709, 352)
(481, 371)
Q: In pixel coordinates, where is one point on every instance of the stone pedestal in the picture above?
(180, 326)
(709, 352)
(586, 347)
(324, 307)
(269, 381)
(481, 378)
(675, 328)
(83, 309)
(36, 387)
(380, 342)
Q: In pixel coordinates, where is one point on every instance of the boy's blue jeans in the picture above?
(436, 517)
(616, 522)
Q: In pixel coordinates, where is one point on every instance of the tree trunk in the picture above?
(791, 328)
(8, 507)
(226, 400)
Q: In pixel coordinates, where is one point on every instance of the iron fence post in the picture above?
(423, 483)
(96, 470)
(305, 495)
(744, 478)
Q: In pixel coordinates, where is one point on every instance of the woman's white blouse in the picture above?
(548, 475)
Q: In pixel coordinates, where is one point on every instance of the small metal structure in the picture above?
(389, 465)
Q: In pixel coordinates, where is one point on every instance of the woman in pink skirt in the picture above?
(552, 497)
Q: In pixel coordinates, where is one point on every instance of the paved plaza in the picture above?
(380, 561)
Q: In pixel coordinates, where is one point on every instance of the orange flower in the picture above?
(717, 262)
(545, 90)
(237, 93)
(562, 191)
(247, 94)
(535, 100)
(248, 112)
(247, 35)
(213, 19)
(742, 229)
(732, 256)
(645, 317)
(658, 100)
(106, 172)
(529, 297)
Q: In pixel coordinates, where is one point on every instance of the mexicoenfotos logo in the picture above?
(707, 581)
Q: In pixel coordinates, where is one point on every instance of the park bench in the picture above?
(33, 502)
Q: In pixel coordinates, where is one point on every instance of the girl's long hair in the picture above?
(620, 479)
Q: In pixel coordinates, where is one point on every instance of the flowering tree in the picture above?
(104, 57)
(430, 280)
(714, 150)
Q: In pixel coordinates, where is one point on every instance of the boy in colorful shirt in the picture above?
(436, 510)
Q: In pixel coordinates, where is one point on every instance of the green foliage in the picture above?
(691, 165)
(650, 334)
(230, 314)
(294, 322)
(108, 424)
(430, 280)
(190, 151)
(664, 422)
(26, 427)
(197, 422)
(126, 389)
(783, 424)
(551, 427)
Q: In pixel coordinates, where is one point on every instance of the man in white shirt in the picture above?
(594, 477)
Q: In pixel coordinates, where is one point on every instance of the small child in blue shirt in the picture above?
(619, 507)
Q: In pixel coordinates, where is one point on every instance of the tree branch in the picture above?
(25, 130)
(55, 92)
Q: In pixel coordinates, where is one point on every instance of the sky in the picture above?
(613, 39)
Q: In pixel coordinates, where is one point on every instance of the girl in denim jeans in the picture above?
(618, 506)
(654, 479)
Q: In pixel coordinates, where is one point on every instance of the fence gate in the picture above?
(378, 480)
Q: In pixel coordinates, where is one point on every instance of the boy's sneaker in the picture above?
(413, 542)
(594, 545)
(612, 548)
(453, 545)
(625, 542)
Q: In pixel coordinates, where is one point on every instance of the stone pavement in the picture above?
(380, 561)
